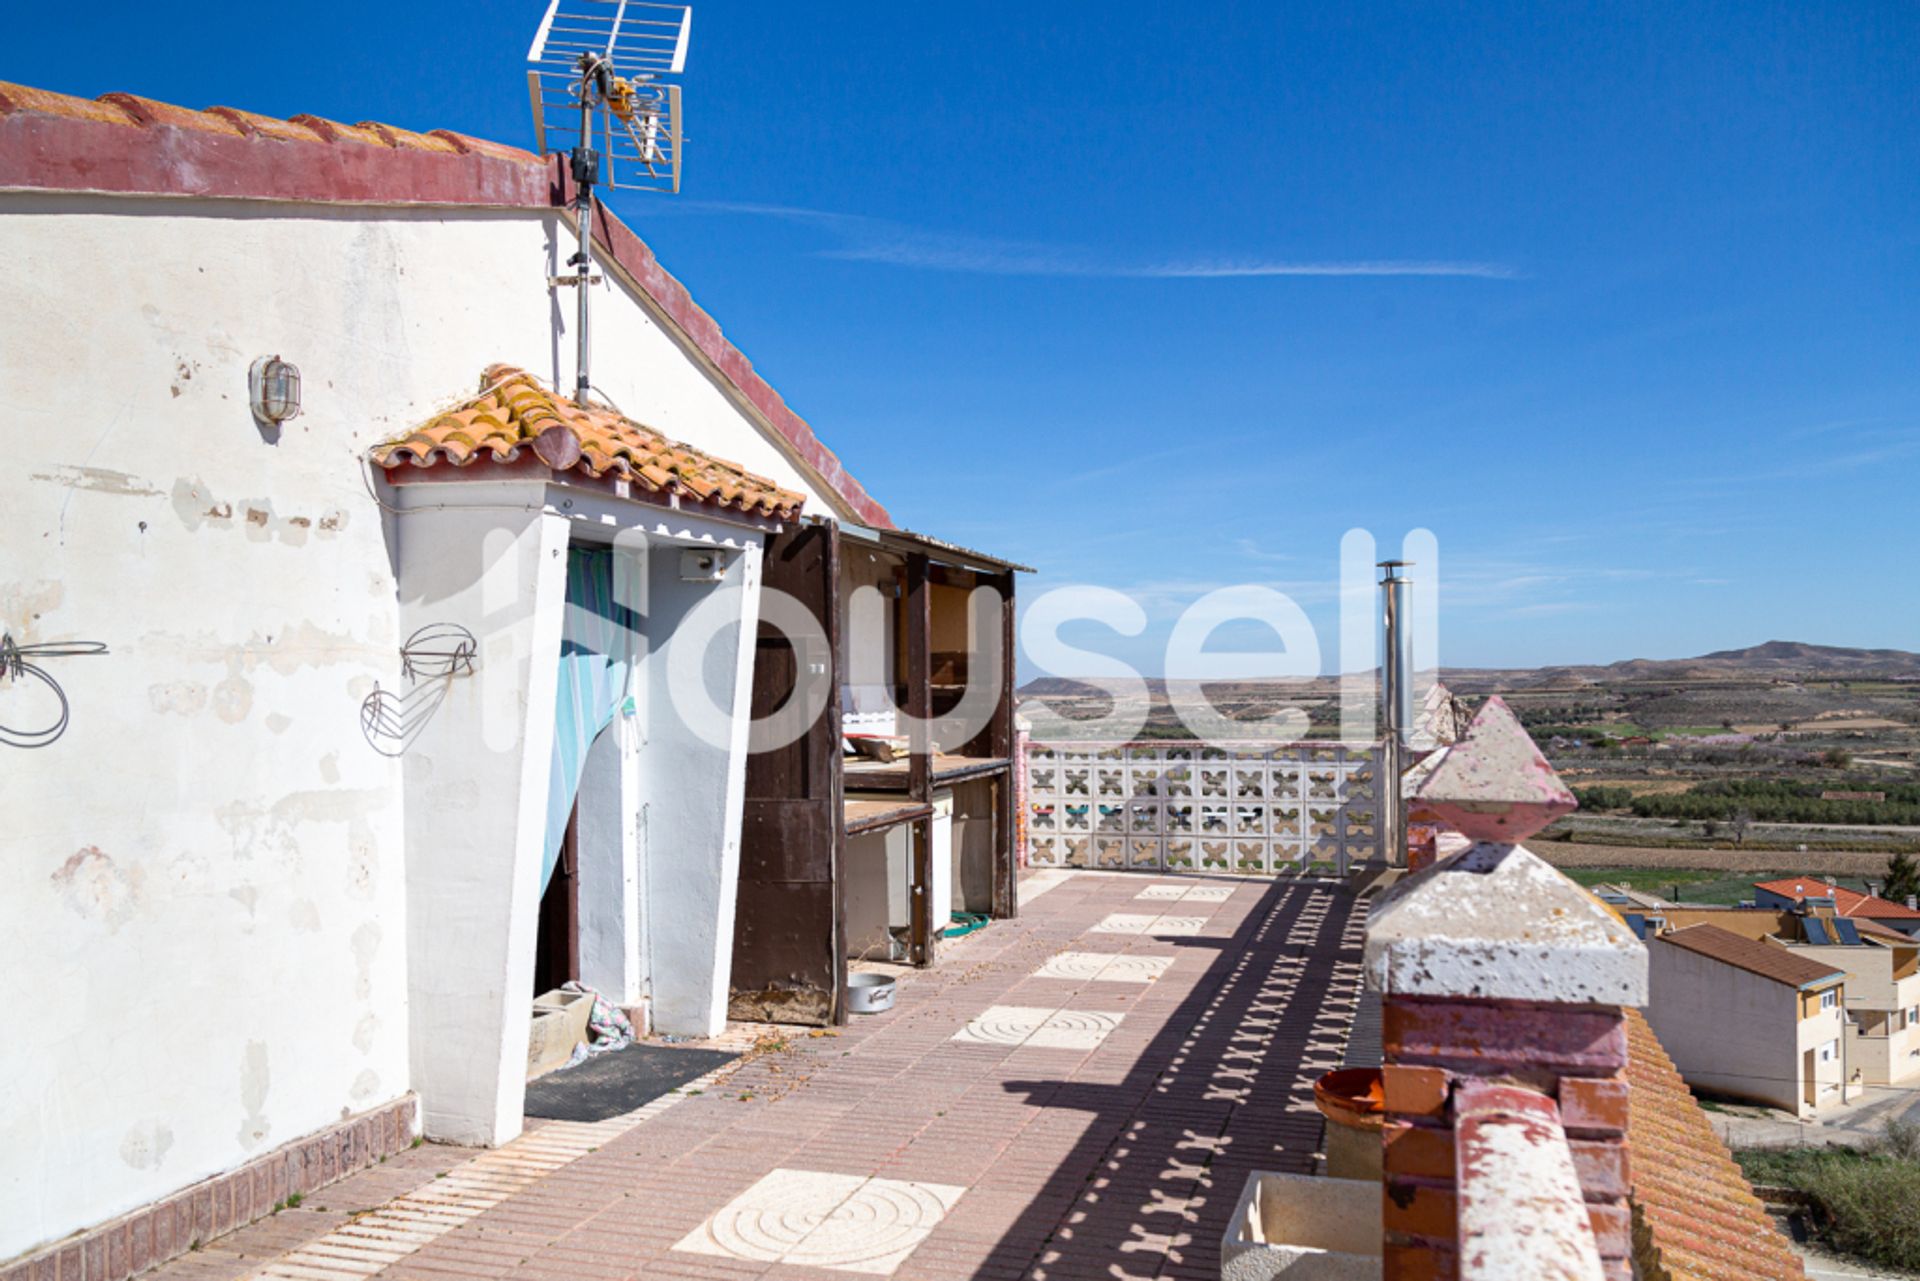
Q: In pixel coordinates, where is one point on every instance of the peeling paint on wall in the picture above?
(364, 1032)
(366, 942)
(255, 1080)
(233, 699)
(145, 1145)
(22, 603)
(97, 480)
(198, 507)
(183, 698)
(363, 861)
(285, 652)
(98, 889)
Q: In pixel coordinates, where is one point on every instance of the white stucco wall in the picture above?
(206, 874)
(691, 780)
(1725, 1029)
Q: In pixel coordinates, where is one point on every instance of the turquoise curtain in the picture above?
(597, 641)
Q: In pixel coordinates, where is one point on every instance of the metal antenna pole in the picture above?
(1396, 688)
(586, 171)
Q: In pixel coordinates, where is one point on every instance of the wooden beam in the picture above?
(831, 766)
(917, 623)
(1006, 875)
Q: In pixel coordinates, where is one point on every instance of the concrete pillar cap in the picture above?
(1497, 922)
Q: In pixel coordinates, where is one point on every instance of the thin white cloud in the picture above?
(877, 240)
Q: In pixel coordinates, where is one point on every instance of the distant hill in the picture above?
(1775, 660)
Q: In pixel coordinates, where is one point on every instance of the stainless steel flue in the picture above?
(1396, 693)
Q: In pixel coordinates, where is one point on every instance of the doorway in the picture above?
(556, 948)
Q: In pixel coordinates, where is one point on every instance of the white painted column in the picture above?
(476, 792)
(695, 785)
(612, 829)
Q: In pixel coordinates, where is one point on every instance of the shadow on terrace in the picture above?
(1223, 1089)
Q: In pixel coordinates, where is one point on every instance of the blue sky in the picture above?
(1622, 301)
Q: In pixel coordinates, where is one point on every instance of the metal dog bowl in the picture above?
(869, 993)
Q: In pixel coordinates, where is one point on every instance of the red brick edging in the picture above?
(134, 1242)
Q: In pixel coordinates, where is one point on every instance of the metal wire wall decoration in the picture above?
(19, 665)
(430, 660)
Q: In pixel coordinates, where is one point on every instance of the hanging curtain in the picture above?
(597, 641)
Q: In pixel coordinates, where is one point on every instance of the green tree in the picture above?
(1903, 878)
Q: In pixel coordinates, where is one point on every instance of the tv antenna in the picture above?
(595, 76)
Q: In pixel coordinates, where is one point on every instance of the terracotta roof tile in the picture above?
(146, 111)
(131, 109)
(514, 412)
(25, 98)
(1845, 901)
(1694, 1216)
(1767, 960)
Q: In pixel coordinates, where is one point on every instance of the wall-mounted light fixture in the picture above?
(273, 388)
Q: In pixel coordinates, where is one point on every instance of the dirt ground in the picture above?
(1839, 862)
(1647, 786)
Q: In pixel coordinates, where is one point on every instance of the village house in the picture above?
(424, 688)
(1883, 993)
(1792, 892)
(1748, 1017)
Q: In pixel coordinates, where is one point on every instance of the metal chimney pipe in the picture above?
(1396, 692)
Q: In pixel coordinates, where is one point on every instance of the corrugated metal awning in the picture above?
(901, 540)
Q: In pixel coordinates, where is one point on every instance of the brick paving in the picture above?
(1122, 1160)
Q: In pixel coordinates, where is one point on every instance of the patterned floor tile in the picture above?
(1074, 1030)
(1104, 967)
(841, 1222)
(1004, 1024)
(1126, 923)
(1041, 1028)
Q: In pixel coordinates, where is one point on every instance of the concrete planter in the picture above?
(559, 1024)
(1303, 1229)
(1351, 1100)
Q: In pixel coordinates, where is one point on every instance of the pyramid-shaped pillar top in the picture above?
(1494, 785)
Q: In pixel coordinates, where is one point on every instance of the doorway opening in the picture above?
(556, 948)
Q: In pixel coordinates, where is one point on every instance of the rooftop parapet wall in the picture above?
(1504, 989)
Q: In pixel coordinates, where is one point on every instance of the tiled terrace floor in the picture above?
(1000, 1122)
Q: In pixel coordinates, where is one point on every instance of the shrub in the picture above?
(1863, 1199)
(1868, 1203)
(1903, 878)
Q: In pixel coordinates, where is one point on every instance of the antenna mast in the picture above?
(607, 56)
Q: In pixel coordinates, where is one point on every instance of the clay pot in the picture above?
(1355, 1107)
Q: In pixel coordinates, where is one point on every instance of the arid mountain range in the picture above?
(1774, 660)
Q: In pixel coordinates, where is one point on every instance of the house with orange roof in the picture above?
(1799, 891)
(426, 686)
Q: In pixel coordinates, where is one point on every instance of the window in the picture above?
(1913, 1015)
(1830, 1051)
(1830, 998)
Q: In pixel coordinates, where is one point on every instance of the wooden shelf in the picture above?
(891, 776)
(872, 816)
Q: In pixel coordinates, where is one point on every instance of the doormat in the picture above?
(619, 1081)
